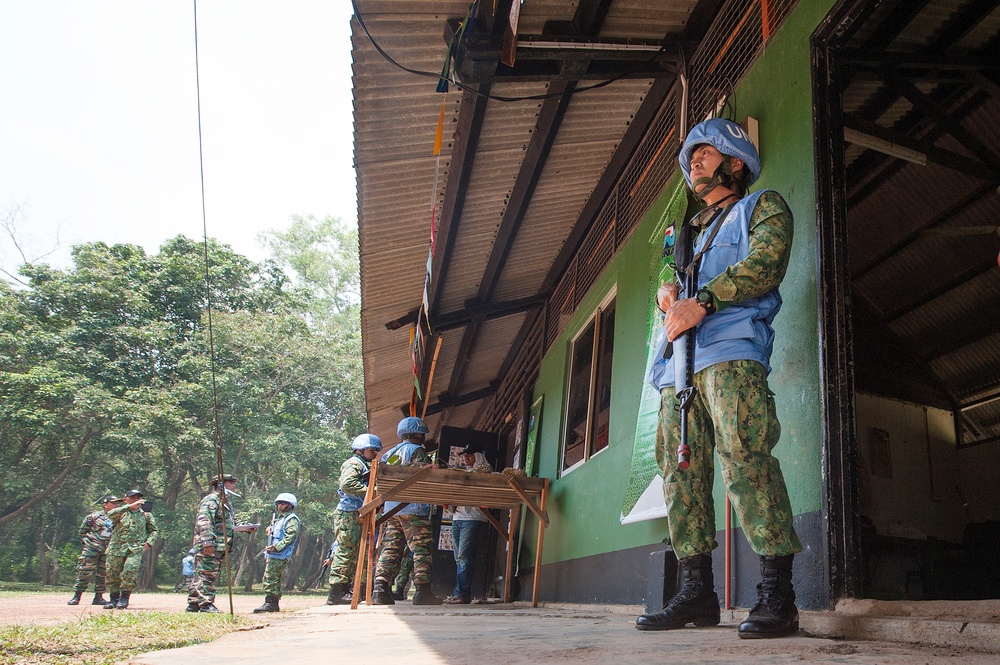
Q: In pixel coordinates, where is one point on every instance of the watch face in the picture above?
(703, 297)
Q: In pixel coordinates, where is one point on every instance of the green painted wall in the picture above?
(584, 505)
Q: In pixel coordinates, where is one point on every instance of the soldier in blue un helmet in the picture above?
(411, 526)
(354, 473)
(742, 250)
(281, 538)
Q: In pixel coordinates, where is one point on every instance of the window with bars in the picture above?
(588, 393)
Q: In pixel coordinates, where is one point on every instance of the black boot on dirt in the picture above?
(695, 601)
(98, 599)
(382, 594)
(75, 600)
(775, 614)
(192, 607)
(424, 595)
(399, 593)
(270, 605)
(209, 608)
(338, 594)
(123, 600)
(112, 601)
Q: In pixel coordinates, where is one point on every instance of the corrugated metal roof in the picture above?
(395, 119)
(931, 297)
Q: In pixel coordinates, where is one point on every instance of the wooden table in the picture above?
(452, 487)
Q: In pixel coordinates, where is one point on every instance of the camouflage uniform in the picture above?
(347, 526)
(274, 569)
(407, 530)
(734, 413)
(214, 527)
(133, 530)
(405, 572)
(95, 531)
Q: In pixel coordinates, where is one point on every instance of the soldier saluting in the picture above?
(134, 533)
(95, 532)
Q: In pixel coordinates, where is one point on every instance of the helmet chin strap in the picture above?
(723, 177)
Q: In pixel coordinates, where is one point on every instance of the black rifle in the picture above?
(683, 344)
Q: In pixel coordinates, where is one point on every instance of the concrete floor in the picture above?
(861, 632)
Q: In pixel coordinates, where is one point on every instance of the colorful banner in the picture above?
(644, 492)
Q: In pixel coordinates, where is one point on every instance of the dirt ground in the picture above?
(51, 608)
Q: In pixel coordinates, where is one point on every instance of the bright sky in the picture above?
(99, 125)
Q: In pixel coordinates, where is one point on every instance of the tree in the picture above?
(106, 382)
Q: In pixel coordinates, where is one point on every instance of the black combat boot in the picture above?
(338, 594)
(209, 608)
(382, 594)
(424, 595)
(75, 600)
(192, 607)
(99, 599)
(112, 600)
(270, 605)
(775, 614)
(399, 592)
(695, 601)
(123, 600)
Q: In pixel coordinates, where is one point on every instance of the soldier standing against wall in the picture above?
(134, 533)
(742, 252)
(354, 473)
(95, 531)
(214, 529)
(281, 538)
(410, 526)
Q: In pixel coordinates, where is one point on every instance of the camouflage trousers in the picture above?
(274, 573)
(206, 573)
(405, 570)
(95, 566)
(402, 531)
(123, 571)
(733, 413)
(347, 528)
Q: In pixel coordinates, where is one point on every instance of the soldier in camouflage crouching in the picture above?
(354, 473)
(214, 529)
(741, 251)
(134, 533)
(95, 531)
(281, 538)
(410, 526)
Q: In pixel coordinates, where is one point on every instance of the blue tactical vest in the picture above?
(351, 503)
(277, 533)
(741, 331)
(405, 450)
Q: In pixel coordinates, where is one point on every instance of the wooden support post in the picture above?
(538, 548)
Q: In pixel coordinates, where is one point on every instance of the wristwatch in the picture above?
(705, 298)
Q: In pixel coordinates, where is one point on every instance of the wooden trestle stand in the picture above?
(451, 487)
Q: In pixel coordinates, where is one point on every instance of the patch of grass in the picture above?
(106, 639)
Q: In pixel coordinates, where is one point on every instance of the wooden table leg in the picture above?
(366, 523)
(538, 549)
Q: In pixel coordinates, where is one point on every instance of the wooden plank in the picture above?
(390, 493)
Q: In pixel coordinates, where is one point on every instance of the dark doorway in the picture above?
(907, 96)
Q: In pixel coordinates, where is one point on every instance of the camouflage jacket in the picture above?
(133, 529)
(214, 525)
(95, 532)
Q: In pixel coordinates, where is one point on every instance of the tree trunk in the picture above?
(14, 513)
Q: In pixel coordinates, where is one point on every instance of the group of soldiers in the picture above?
(116, 536)
(114, 540)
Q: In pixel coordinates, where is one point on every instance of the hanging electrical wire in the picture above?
(217, 436)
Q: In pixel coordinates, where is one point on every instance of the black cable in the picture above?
(474, 91)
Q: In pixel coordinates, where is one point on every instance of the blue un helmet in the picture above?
(411, 425)
(363, 441)
(728, 138)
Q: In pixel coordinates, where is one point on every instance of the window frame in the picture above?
(596, 319)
